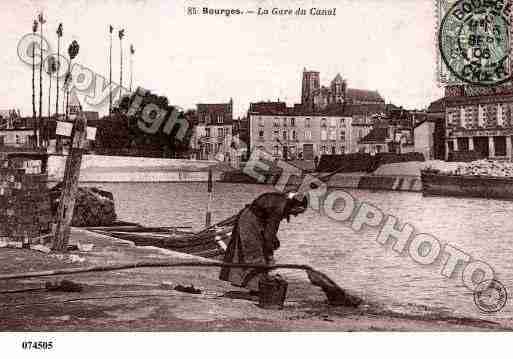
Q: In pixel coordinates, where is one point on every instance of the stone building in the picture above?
(212, 137)
(291, 134)
(329, 120)
(315, 97)
(294, 133)
(480, 120)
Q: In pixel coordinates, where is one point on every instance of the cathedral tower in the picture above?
(338, 90)
(309, 86)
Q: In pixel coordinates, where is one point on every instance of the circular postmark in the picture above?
(490, 296)
(474, 41)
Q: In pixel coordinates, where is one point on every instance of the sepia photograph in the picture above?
(297, 166)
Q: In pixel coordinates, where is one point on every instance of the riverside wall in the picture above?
(344, 180)
(97, 168)
(403, 176)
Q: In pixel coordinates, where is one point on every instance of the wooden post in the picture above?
(208, 218)
(70, 184)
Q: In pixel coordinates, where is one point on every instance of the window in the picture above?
(220, 118)
(324, 150)
(333, 135)
(207, 131)
(342, 150)
(308, 135)
(343, 135)
(294, 137)
(333, 150)
(284, 122)
(285, 135)
(323, 122)
(220, 132)
(333, 122)
(276, 151)
(260, 122)
(207, 119)
(324, 135)
(342, 122)
(307, 122)
(293, 122)
(276, 122)
(276, 135)
(261, 135)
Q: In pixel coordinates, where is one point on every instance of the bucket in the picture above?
(272, 292)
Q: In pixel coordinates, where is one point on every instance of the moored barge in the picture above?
(435, 183)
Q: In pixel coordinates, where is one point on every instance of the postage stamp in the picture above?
(490, 296)
(473, 40)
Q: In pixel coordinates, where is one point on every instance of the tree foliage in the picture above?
(122, 133)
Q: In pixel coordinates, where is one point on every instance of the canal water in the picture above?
(481, 228)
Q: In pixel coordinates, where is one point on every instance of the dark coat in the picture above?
(254, 238)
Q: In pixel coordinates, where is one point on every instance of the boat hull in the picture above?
(204, 244)
(467, 186)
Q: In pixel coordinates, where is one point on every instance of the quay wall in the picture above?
(390, 177)
(377, 182)
(97, 168)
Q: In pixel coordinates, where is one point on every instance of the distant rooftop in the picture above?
(364, 95)
(376, 135)
(280, 109)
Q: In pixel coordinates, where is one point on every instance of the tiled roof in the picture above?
(214, 107)
(364, 109)
(274, 107)
(376, 135)
(364, 95)
(281, 109)
(437, 106)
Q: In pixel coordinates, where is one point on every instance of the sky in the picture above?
(383, 45)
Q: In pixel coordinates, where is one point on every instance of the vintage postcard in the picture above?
(292, 166)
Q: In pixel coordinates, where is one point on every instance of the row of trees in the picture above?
(121, 35)
(53, 67)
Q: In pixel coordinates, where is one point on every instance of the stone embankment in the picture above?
(96, 168)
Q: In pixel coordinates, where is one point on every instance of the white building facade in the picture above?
(213, 135)
(300, 136)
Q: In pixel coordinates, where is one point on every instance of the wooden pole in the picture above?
(34, 114)
(70, 184)
(208, 218)
(57, 138)
(110, 72)
(40, 120)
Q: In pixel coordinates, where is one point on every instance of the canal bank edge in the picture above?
(144, 299)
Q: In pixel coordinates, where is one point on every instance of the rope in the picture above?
(135, 265)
